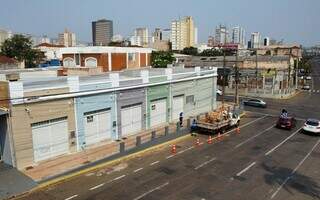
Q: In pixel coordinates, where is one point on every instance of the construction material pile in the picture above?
(218, 115)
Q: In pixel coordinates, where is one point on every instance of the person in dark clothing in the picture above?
(181, 118)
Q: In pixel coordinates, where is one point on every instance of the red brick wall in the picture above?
(143, 60)
(119, 61)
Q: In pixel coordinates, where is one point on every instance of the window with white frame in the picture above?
(69, 62)
(91, 62)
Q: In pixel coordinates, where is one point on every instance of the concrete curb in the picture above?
(291, 96)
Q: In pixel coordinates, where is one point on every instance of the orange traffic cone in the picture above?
(173, 149)
(210, 140)
(197, 142)
(238, 130)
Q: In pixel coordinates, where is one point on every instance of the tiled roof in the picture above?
(49, 45)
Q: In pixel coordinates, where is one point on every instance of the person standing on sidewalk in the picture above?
(181, 118)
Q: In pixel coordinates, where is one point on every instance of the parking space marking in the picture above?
(170, 156)
(119, 177)
(295, 169)
(274, 148)
(251, 138)
(72, 197)
(156, 162)
(97, 186)
(135, 171)
(246, 169)
(205, 163)
(152, 190)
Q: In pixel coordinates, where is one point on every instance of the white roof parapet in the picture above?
(99, 49)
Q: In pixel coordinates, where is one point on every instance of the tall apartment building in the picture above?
(182, 33)
(221, 35)
(157, 35)
(238, 35)
(255, 40)
(67, 39)
(102, 32)
(140, 37)
(166, 34)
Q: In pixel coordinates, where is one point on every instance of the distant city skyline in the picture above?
(294, 21)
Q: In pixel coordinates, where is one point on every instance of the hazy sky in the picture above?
(292, 20)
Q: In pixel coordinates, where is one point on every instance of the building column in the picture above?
(127, 60)
(109, 62)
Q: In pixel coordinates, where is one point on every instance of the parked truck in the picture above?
(216, 121)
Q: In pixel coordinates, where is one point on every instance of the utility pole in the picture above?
(224, 67)
(236, 97)
(289, 70)
(256, 71)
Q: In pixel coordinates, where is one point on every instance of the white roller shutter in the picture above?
(131, 120)
(177, 107)
(97, 126)
(158, 112)
(50, 138)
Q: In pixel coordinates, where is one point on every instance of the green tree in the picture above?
(160, 59)
(190, 51)
(20, 48)
(211, 52)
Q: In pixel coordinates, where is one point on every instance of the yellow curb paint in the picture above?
(93, 168)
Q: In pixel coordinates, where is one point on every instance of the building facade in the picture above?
(102, 32)
(69, 115)
(182, 33)
(141, 37)
(106, 59)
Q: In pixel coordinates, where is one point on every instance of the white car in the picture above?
(308, 77)
(219, 92)
(312, 125)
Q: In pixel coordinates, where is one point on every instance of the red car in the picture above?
(286, 122)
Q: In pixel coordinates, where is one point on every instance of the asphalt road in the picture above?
(262, 162)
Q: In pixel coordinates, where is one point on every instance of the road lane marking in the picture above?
(180, 152)
(294, 171)
(247, 124)
(205, 163)
(72, 197)
(246, 169)
(152, 190)
(97, 186)
(170, 156)
(119, 177)
(156, 162)
(274, 148)
(135, 171)
(244, 142)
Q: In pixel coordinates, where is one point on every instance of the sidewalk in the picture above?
(89, 157)
(13, 182)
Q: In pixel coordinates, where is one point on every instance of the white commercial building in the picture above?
(255, 40)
